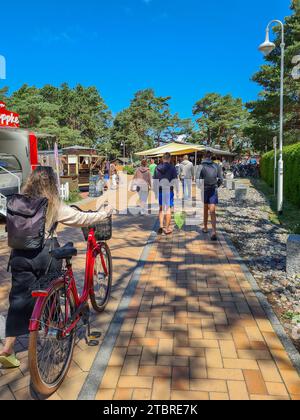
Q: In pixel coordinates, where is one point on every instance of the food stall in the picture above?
(79, 162)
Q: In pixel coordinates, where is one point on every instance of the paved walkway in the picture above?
(194, 328)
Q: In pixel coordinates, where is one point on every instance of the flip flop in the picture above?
(10, 362)
(168, 232)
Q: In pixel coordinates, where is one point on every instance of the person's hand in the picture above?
(109, 210)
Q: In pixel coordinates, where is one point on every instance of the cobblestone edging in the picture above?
(280, 331)
(94, 379)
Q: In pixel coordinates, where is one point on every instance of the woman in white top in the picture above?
(28, 266)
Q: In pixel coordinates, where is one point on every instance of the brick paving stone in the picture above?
(269, 371)
(123, 394)
(136, 382)
(189, 396)
(276, 390)
(161, 390)
(218, 396)
(238, 391)
(292, 381)
(255, 382)
(208, 385)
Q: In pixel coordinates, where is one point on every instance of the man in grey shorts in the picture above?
(212, 175)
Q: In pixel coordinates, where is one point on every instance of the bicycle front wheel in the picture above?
(50, 353)
(102, 279)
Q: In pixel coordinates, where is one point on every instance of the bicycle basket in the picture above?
(103, 230)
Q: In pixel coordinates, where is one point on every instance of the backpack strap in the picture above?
(9, 263)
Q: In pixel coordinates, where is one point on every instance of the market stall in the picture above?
(196, 151)
(79, 162)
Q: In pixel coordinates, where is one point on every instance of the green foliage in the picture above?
(74, 197)
(222, 120)
(147, 123)
(292, 316)
(291, 156)
(290, 218)
(129, 170)
(73, 116)
(265, 111)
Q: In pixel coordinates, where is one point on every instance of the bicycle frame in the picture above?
(93, 249)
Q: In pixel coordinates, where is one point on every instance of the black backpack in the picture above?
(26, 222)
(210, 174)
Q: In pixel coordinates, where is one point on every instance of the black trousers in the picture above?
(27, 267)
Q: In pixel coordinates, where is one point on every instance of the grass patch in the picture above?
(74, 197)
(294, 317)
(290, 219)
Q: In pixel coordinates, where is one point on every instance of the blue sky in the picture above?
(181, 48)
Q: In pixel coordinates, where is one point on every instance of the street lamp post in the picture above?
(266, 48)
(275, 165)
(123, 144)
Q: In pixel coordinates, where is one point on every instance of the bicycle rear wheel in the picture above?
(102, 280)
(50, 354)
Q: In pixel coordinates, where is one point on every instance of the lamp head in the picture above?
(267, 47)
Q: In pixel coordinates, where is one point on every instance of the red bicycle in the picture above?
(60, 312)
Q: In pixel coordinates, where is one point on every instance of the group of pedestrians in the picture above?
(165, 178)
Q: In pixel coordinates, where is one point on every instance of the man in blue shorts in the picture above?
(165, 180)
(212, 175)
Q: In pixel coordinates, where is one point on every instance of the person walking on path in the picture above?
(142, 181)
(106, 171)
(28, 266)
(186, 176)
(212, 175)
(152, 167)
(165, 181)
(114, 176)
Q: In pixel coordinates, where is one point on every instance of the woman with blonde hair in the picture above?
(30, 265)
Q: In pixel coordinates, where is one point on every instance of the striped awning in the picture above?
(175, 149)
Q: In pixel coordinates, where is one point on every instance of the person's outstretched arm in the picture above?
(72, 217)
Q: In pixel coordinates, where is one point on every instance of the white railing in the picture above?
(65, 192)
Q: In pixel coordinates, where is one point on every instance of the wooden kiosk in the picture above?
(78, 162)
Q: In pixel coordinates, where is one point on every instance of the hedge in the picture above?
(291, 156)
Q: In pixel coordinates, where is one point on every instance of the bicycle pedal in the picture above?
(93, 343)
(95, 335)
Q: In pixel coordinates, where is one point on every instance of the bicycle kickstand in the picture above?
(92, 338)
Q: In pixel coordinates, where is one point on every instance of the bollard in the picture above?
(293, 255)
(236, 185)
(241, 193)
(229, 184)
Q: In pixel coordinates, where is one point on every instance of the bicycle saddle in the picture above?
(65, 253)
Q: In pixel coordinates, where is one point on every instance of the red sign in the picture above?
(8, 118)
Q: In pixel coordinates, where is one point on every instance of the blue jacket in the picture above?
(165, 171)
